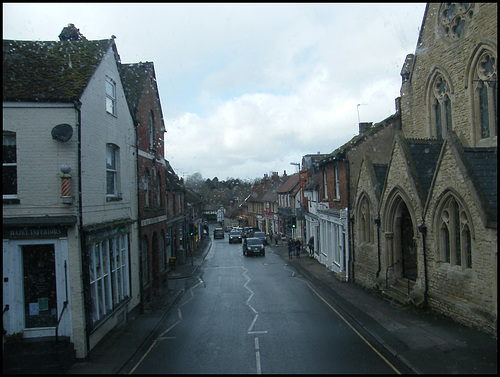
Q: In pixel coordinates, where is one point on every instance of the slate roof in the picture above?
(425, 154)
(485, 169)
(134, 77)
(272, 194)
(380, 174)
(50, 71)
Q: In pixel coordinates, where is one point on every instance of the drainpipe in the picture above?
(139, 227)
(85, 272)
(423, 229)
(377, 222)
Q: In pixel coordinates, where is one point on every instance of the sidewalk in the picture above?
(120, 346)
(425, 343)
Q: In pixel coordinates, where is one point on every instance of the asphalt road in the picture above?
(256, 315)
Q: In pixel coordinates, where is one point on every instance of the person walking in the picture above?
(311, 247)
(276, 238)
(290, 249)
(298, 246)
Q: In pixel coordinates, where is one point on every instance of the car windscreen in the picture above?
(254, 241)
(235, 234)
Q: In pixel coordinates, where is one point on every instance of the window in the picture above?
(109, 275)
(110, 96)
(337, 182)
(146, 187)
(158, 189)
(440, 106)
(112, 155)
(484, 84)
(325, 185)
(455, 239)
(9, 165)
(365, 221)
(151, 129)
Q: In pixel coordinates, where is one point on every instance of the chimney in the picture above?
(284, 173)
(71, 33)
(364, 126)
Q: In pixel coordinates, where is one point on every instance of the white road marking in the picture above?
(257, 356)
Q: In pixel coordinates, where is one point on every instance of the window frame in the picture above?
(454, 233)
(110, 96)
(113, 170)
(6, 165)
(109, 284)
(440, 93)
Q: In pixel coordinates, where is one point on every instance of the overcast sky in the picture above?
(246, 89)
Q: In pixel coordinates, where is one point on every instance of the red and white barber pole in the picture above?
(66, 184)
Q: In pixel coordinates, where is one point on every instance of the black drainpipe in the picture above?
(85, 272)
(139, 228)
(377, 222)
(423, 229)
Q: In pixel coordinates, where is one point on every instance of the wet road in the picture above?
(256, 315)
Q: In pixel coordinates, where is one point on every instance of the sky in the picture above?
(248, 89)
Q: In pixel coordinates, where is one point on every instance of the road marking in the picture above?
(142, 358)
(257, 356)
(356, 331)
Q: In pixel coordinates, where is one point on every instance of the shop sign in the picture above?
(33, 233)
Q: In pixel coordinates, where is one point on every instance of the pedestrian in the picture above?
(298, 246)
(311, 247)
(276, 238)
(290, 249)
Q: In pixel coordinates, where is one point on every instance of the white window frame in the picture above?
(109, 275)
(337, 182)
(10, 164)
(110, 96)
(112, 170)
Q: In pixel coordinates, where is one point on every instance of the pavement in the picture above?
(423, 341)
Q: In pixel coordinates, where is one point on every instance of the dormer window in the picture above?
(110, 96)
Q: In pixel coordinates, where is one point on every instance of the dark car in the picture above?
(235, 236)
(253, 246)
(261, 236)
(248, 231)
(218, 233)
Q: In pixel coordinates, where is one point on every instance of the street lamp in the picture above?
(296, 164)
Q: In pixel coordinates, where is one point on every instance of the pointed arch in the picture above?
(438, 97)
(481, 76)
(365, 219)
(401, 235)
(454, 230)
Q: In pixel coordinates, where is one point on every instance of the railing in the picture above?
(387, 271)
(65, 302)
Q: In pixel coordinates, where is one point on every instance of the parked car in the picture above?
(253, 246)
(248, 231)
(262, 236)
(235, 236)
(218, 233)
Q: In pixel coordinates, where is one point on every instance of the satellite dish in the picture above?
(62, 132)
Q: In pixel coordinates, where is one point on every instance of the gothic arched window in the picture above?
(484, 95)
(440, 106)
(365, 221)
(454, 233)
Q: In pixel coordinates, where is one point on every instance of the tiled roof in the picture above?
(425, 154)
(49, 71)
(289, 185)
(485, 169)
(272, 194)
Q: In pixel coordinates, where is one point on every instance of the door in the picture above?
(39, 285)
(408, 247)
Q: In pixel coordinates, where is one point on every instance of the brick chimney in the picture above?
(71, 33)
(364, 126)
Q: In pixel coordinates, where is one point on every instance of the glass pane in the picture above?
(483, 110)
(97, 261)
(110, 88)
(40, 297)
(9, 180)
(110, 183)
(110, 105)
(9, 148)
(110, 158)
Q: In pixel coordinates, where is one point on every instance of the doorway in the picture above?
(39, 283)
(407, 243)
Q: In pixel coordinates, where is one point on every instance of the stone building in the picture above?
(428, 234)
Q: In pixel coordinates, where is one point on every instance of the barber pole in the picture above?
(66, 184)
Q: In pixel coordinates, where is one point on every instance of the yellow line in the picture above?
(142, 358)
(356, 331)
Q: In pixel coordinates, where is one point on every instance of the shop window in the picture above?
(9, 166)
